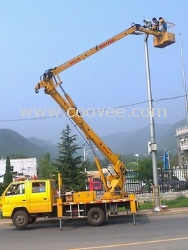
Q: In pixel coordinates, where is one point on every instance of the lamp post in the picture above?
(184, 79)
(86, 152)
(137, 155)
(152, 131)
(169, 166)
(168, 157)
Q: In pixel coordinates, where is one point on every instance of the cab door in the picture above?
(14, 197)
(39, 197)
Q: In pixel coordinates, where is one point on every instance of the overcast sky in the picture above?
(41, 34)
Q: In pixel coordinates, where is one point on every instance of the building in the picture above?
(180, 173)
(182, 145)
(19, 167)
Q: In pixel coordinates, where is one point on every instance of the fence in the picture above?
(174, 179)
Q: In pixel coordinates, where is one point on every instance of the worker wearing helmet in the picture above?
(163, 24)
(155, 24)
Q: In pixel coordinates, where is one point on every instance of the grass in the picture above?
(176, 203)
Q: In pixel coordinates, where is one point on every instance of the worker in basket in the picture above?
(155, 24)
(163, 24)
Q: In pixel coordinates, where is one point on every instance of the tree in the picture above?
(7, 176)
(46, 168)
(2, 188)
(69, 164)
(91, 166)
(174, 161)
(145, 172)
(132, 166)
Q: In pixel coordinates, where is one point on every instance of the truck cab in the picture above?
(24, 201)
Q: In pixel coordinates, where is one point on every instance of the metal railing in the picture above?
(174, 179)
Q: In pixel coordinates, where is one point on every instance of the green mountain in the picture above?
(136, 142)
(13, 143)
(123, 143)
(46, 146)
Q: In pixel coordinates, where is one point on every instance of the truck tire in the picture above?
(20, 219)
(96, 216)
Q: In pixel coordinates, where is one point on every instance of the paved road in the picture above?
(154, 232)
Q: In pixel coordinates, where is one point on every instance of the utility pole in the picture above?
(86, 152)
(184, 79)
(153, 144)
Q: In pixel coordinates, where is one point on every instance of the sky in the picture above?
(39, 35)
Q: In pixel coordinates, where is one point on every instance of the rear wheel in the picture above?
(20, 219)
(96, 216)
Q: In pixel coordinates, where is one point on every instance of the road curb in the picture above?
(161, 213)
(5, 224)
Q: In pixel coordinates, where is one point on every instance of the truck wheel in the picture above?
(20, 219)
(96, 216)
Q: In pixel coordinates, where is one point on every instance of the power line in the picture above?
(122, 106)
(169, 98)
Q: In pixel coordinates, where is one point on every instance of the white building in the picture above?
(27, 166)
(181, 174)
(182, 145)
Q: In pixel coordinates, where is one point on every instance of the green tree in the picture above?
(132, 166)
(145, 171)
(2, 188)
(174, 161)
(91, 166)
(46, 168)
(7, 176)
(69, 164)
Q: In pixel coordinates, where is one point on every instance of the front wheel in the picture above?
(20, 219)
(96, 216)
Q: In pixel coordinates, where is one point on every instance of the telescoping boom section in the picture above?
(160, 40)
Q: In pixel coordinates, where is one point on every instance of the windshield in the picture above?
(14, 189)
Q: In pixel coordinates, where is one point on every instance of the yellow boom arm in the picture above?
(136, 29)
(50, 80)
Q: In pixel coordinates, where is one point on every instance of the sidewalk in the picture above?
(168, 211)
(140, 213)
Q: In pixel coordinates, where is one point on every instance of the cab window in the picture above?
(38, 187)
(16, 189)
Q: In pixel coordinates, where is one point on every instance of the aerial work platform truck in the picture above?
(26, 200)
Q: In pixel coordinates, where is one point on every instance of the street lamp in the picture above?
(86, 152)
(168, 157)
(137, 155)
(184, 79)
(134, 162)
(153, 144)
